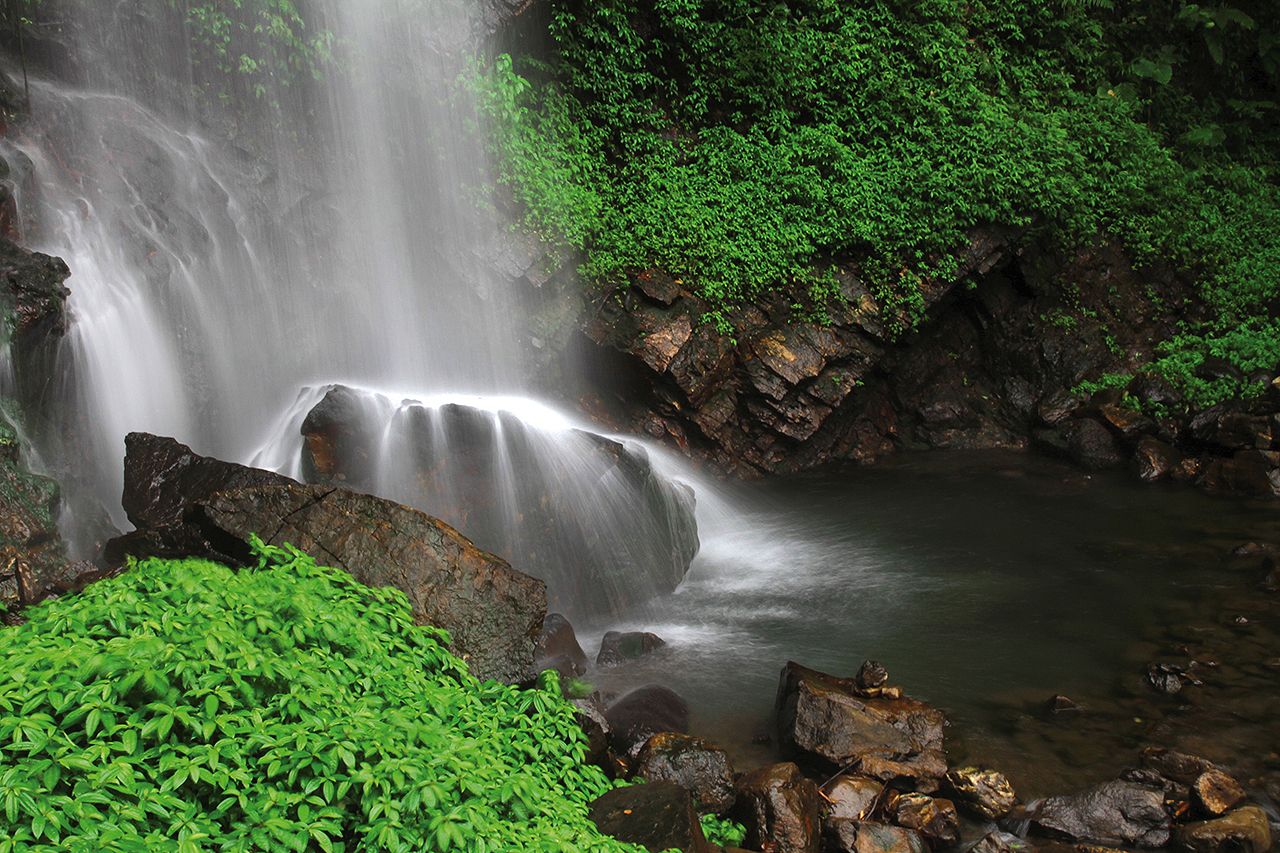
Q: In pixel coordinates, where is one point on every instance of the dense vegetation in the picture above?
(184, 707)
(739, 143)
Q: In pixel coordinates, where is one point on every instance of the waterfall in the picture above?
(219, 296)
(209, 285)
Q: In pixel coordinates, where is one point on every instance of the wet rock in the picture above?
(780, 810)
(643, 713)
(1166, 678)
(33, 304)
(934, 818)
(1216, 793)
(986, 794)
(590, 717)
(1126, 423)
(1114, 814)
(1057, 407)
(33, 558)
(492, 612)
(658, 816)
(617, 648)
(888, 739)
(337, 439)
(851, 798)
(701, 768)
(1058, 703)
(871, 675)
(1248, 472)
(1244, 830)
(163, 481)
(1091, 445)
(559, 640)
(1154, 460)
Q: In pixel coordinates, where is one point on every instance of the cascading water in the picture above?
(208, 287)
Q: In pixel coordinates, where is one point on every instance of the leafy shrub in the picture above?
(184, 707)
(737, 143)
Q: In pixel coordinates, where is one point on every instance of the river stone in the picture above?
(1154, 459)
(657, 815)
(985, 793)
(1216, 792)
(700, 767)
(617, 648)
(890, 739)
(868, 837)
(851, 798)
(1113, 814)
(934, 818)
(780, 810)
(1244, 830)
(492, 612)
(643, 713)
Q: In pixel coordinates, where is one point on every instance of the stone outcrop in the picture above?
(591, 516)
(702, 768)
(189, 505)
(1115, 814)
(780, 809)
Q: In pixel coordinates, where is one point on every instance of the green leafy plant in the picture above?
(185, 707)
(738, 145)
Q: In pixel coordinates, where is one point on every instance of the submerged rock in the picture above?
(617, 648)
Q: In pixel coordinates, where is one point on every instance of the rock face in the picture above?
(589, 515)
(33, 301)
(788, 393)
(192, 505)
(891, 739)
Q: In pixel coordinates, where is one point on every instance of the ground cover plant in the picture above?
(740, 144)
(186, 707)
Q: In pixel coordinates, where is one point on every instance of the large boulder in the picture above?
(891, 739)
(591, 516)
(205, 507)
(1244, 830)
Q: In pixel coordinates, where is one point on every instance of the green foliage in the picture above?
(723, 831)
(183, 707)
(737, 144)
